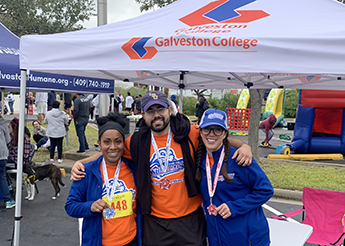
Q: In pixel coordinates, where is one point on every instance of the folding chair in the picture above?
(325, 212)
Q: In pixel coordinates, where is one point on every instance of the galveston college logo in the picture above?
(136, 50)
(223, 11)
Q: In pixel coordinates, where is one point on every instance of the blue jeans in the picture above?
(270, 133)
(10, 104)
(42, 141)
(3, 181)
(80, 130)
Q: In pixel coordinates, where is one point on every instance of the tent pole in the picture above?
(18, 208)
(180, 101)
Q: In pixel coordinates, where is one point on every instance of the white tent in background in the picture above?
(206, 44)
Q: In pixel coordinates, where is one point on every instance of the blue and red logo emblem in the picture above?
(136, 49)
(223, 11)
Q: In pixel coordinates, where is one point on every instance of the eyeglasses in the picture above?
(151, 112)
(216, 131)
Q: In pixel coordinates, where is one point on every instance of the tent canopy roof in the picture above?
(209, 44)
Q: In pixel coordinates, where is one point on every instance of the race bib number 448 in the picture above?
(121, 205)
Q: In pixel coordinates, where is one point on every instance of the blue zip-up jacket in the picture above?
(89, 189)
(244, 196)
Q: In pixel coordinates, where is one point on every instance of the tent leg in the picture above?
(18, 208)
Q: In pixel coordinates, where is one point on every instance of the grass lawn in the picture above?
(42, 154)
(282, 174)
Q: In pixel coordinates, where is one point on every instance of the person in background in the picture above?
(232, 195)
(134, 104)
(95, 105)
(201, 106)
(138, 104)
(10, 101)
(109, 212)
(4, 140)
(29, 100)
(41, 105)
(57, 121)
(114, 100)
(92, 107)
(40, 134)
(68, 104)
(51, 98)
(121, 99)
(267, 127)
(163, 153)
(173, 98)
(13, 145)
(81, 118)
(129, 101)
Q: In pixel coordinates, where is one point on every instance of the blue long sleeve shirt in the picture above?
(244, 196)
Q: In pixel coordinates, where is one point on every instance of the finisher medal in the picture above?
(164, 184)
(211, 209)
(109, 213)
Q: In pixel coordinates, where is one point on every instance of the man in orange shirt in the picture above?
(163, 152)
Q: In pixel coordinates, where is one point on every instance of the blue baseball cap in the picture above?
(152, 98)
(214, 117)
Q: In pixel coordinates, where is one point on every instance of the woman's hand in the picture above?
(98, 206)
(224, 211)
(78, 171)
(243, 155)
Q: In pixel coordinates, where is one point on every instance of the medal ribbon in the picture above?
(208, 174)
(110, 189)
(164, 165)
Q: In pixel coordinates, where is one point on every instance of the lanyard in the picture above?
(208, 174)
(164, 165)
(110, 188)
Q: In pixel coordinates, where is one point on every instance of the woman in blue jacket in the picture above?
(232, 195)
(106, 197)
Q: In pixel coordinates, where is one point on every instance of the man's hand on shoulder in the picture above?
(243, 155)
(78, 171)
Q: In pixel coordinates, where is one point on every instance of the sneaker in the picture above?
(87, 150)
(60, 160)
(52, 160)
(10, 204)
(35, 147)
(81, 152)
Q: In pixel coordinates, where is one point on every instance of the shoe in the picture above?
(10, 204)
(35, 147)
(81, 152)
(60, 160)
(87, 150)
(52, 160)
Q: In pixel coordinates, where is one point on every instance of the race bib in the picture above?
(120, 205)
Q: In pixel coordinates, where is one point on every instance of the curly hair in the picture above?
(199, 155)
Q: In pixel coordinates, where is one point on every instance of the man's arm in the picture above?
(78, 170)
(243, 153)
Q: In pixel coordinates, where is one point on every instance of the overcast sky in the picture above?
(117, 10)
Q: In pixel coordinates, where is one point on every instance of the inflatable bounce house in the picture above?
(320, 122)
(275, 105)
(243, 99)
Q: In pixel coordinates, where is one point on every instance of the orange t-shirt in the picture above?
(173, 202)
(123, 228)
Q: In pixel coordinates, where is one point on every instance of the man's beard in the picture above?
(162, 127)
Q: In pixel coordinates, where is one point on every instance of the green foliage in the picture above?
(45, 16)
(151, 4)
(188, 105)
(229, 101)
(291, 103)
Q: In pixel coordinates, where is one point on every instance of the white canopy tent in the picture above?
(197, 44)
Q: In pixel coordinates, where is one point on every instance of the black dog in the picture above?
(39, 173)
